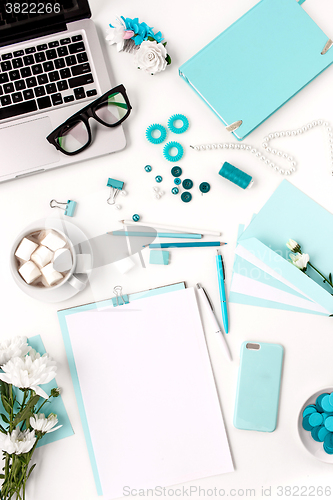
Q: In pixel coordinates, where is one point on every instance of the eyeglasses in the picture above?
(74, 135)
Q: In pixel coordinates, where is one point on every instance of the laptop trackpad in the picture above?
(24, 146)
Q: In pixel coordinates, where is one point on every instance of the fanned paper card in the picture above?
(257, 64)
(148, 362)
(262, 274)
(55, 405)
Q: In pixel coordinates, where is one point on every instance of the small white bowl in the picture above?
(316, 449)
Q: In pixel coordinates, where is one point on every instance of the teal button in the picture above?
(306, 425)
(315, 419)
(322, 433)
(328, 451)
(177, 181)
(176, 171)
(187, 184)
(308, 410)
(204, 187)
(318, 401)
(331, 398)
(329, 424)
(186, 197)
(328, 442)
(326, 405)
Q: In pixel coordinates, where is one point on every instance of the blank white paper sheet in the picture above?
(148, 393)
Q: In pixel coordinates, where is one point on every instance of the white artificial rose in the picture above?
(29, 372)
(300, 260)
(293, 245)
(151, 57)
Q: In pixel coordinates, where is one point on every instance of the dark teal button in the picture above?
(306, 425)
(176, 171)
(315, 419)
(204, 187)
(177, 181)
(322, 433)
(308, 410)
(314, 433)
(186, 197)
(174, 190)
(187, 184)
(328, 451)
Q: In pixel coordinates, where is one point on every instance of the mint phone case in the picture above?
(258, 386)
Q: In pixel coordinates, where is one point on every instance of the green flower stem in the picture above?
(324, 278)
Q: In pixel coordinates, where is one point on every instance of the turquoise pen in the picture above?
(158, 235)
(223, 298)
(187, 244)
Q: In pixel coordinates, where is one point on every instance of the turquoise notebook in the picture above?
(257, 64)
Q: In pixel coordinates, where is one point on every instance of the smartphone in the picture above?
(258, 386)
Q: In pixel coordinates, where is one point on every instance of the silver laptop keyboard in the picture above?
(44, 76)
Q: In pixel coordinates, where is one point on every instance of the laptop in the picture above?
(51, 66)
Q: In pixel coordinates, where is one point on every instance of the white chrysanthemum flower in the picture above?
(29, 372)
(117, 34)
(151, 57)
(11, 348)
(300, 260)
(293, 246)
(17, 442)
(44, 424)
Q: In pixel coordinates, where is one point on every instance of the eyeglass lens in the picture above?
(74, 138)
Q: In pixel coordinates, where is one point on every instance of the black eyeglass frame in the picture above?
(83, 116)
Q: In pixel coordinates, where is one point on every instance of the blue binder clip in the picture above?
(69, 209)
(116, 187)
(119, 299)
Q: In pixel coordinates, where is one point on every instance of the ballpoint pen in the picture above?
(209, 307)
(223, 299)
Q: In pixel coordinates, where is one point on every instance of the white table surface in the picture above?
(261, 459)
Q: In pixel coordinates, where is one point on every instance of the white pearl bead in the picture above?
(274, 151)
(237, 146)
(208, 146)
(214, 146)
(329, 129)
(269, 150)
(157, 196)
(117, 207)
(202, 148)
(294, 132)
(253, 150)
(196, 148)
(281, 171)
(258, 155)
(221, 146)
(242, 146)
(326, 124)
(293, 164)
(276, 168)
(231, 146)
(314, 123)
(271, 136)
(276, 134)
(320, 122)
(266, 139)
(287, 172)
(279, 153)
(123, 193)
(162, 193)
(248, 148)
(282, 134)
(156, 188)
(272, 165)
(288, 133)
(285, 155)
(262, 158)
(293, 169)
(225, 146)
(299, 131)
(290, 158)
(267, 162)
(330, 141)
(330, 134)
(309, 126)
(304, 128)
(264, 145)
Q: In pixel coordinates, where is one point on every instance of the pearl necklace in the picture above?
(268, 149)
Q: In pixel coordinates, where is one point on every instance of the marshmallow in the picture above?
(53, 242)
(62, 260)
(25, 249)
(29, 272)
(42, 256)
(51, 275)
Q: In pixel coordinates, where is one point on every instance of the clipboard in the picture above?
(257, 64)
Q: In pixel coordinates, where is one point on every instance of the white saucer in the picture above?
(316, 449)
(82, 246)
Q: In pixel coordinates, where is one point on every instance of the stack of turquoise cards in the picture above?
(263, 274)
(257, 64)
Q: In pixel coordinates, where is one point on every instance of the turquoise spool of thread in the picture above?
(235, 175)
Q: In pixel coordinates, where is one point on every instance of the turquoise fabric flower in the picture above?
(141, 30)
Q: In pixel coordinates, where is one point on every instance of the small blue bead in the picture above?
(177, 181)
(158, 178)
(174, 190)
(148, 168)
(136, 217)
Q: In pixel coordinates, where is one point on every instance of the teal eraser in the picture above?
(159, 257)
